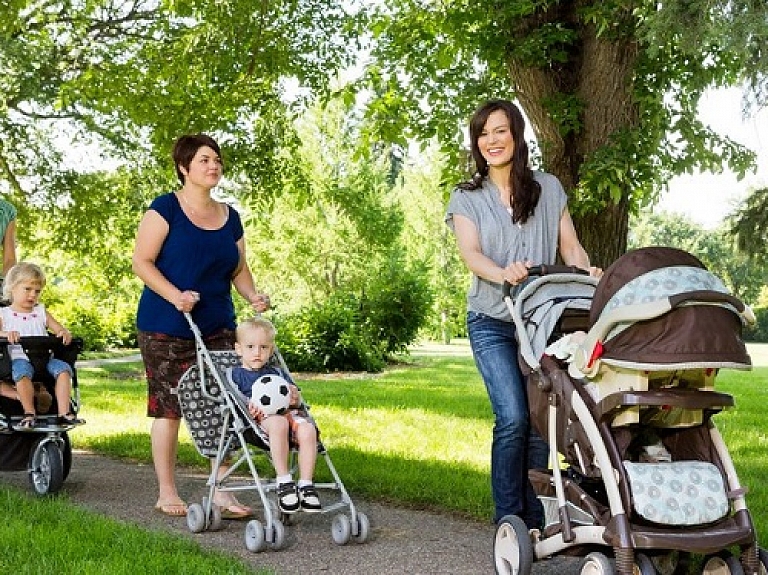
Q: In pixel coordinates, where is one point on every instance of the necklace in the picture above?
(192, 210)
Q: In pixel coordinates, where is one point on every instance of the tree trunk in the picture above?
(598, 76)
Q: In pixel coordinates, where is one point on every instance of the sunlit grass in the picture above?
(49, 535)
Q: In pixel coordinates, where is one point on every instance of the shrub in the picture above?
(327, 337)
(759, 332)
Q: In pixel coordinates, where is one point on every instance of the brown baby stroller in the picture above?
(642, 479)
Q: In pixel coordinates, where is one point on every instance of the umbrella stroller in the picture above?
(218, 420)
(44, 451)
(641, 478)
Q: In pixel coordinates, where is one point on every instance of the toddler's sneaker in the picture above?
(310, 501)
(287, 497)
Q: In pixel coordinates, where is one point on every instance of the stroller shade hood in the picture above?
(705, 331)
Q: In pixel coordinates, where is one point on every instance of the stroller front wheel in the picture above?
(512, 547)
(196, 518)
(341, 529)
(255, 540)
(46, 468)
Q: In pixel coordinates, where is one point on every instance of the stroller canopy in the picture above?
(703, 332)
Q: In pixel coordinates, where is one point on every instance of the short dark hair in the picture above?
(185, 149)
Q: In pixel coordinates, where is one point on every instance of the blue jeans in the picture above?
(23, 368)
(494, 348)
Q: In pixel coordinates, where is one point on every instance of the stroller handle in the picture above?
(544, 270)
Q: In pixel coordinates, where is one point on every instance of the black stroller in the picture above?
(621, 379)
(44, 451)
(219, 423)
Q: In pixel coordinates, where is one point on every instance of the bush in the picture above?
(396, 307)
(328, 337)
(759, 332)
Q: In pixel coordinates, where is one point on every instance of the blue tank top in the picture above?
(192, 258)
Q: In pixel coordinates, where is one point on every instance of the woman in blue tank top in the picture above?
(189, 252)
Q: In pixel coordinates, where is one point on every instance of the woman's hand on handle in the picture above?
(186, 300)
(515, 273)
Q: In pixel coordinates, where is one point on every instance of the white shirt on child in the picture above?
(32, 323)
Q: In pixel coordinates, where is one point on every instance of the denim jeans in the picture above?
(494, 348)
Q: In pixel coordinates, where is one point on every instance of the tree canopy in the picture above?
(610, 87)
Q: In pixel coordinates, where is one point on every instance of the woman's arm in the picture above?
(478, 263)
(571, 250)
(244, 284)
(153, 230)
(9, 247)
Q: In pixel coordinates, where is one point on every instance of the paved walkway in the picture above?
(402, 541)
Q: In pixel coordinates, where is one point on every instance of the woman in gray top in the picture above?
(507, 218)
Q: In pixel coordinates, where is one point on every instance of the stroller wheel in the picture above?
(361, 527)
(596, 564)
(644, 565)
(276, 535)
(46, 468)
(214, 521)
(196, 518)
(341, 529)
(255, 541)
(722, 564)
(512, 547)
(762, 555)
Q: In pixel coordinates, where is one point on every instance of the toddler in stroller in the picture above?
(220, 421)
(255, 345)
(37, 364)
(641, 480)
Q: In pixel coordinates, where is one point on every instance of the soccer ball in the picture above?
(272, 394)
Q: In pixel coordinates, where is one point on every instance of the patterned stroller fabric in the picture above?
(700, 335)
(201, 404)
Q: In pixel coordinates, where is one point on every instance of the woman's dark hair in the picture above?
(185, 149)
(525, 189)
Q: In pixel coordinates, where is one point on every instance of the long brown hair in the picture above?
(525, 189)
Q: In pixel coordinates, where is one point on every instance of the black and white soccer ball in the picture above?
(272, 394)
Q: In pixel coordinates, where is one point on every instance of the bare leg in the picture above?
(306, 436)
(63, 392)
(277, 430)
(165, 439)
(7, 390)
(26, 391)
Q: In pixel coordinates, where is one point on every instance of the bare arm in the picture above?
(57, 329)
(153, 229)
(244, 284)
(9, 247)
(571, 250)
(478, 263)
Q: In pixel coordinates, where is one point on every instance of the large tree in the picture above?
(610, 86)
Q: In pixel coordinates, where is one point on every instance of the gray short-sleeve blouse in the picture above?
(505, 242)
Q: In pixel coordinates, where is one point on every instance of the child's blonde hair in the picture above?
(256, 323)
(21, 272)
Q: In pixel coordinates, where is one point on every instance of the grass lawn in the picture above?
(417, 435)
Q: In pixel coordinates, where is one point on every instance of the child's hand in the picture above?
(65, 336)
(255, 411)
(13, 336)
(295, 396)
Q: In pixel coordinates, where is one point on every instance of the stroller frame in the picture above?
(239, 431)
(577, 523)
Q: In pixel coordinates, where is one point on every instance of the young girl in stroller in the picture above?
(255, 345)
(26, 316)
